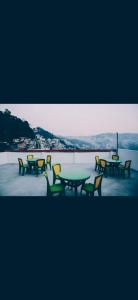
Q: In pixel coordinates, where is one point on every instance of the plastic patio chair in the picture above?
(40, 164)
(114, 167)
(124, 168)
(115, 157)
(48, 161)
(57, 188)
(22, 167)
(56, 170)
(31, 166)
(30, 156)
(97, 162)
(104, 166)
(90, 188)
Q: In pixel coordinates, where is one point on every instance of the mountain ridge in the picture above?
(13, 127)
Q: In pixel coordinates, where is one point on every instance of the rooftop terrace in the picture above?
(13, 184)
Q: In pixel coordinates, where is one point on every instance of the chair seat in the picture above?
(89, 187)
(56, 188)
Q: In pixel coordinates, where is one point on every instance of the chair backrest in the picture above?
(56, 169)
(20, 162)
(103, 163)
(98, 181)
(40, 163)
(115, 157)
(30, 156)
(97, 159)
(48, 159)
(127, 164)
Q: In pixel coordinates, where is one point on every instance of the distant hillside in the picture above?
(105, 140)
(129, 141)
(46, 134)
(12, 127)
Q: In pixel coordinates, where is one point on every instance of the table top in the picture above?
(114, 161)
(74, 175)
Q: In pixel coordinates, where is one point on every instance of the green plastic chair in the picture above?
(57, 188)
(56, 170)
(40, 165)
(30, 164)
(22, 167)
(90, 188)
(124, 168)
(48, 161)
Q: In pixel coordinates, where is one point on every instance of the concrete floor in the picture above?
(13, 184)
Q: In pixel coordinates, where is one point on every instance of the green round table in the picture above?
(76, 177)
(114, 165)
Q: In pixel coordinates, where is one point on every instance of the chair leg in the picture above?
(23, 171)
(63, 193)
(99, 192)
(91, 195)
(36, 171)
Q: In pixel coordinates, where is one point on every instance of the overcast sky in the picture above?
(78, 119)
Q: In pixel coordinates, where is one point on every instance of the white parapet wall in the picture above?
(57, 157)
(125, 154)
(71, 157)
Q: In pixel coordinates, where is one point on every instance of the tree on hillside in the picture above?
(12, 127)
(7, 112)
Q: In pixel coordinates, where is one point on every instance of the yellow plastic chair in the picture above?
(104, 166)
(22, 167)
(115, 157)
(90, 188)
(57, 188)
(30, 156)
(56, 170)
(124, 168)
(31, 165)
(97, 162)
(40, 164)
